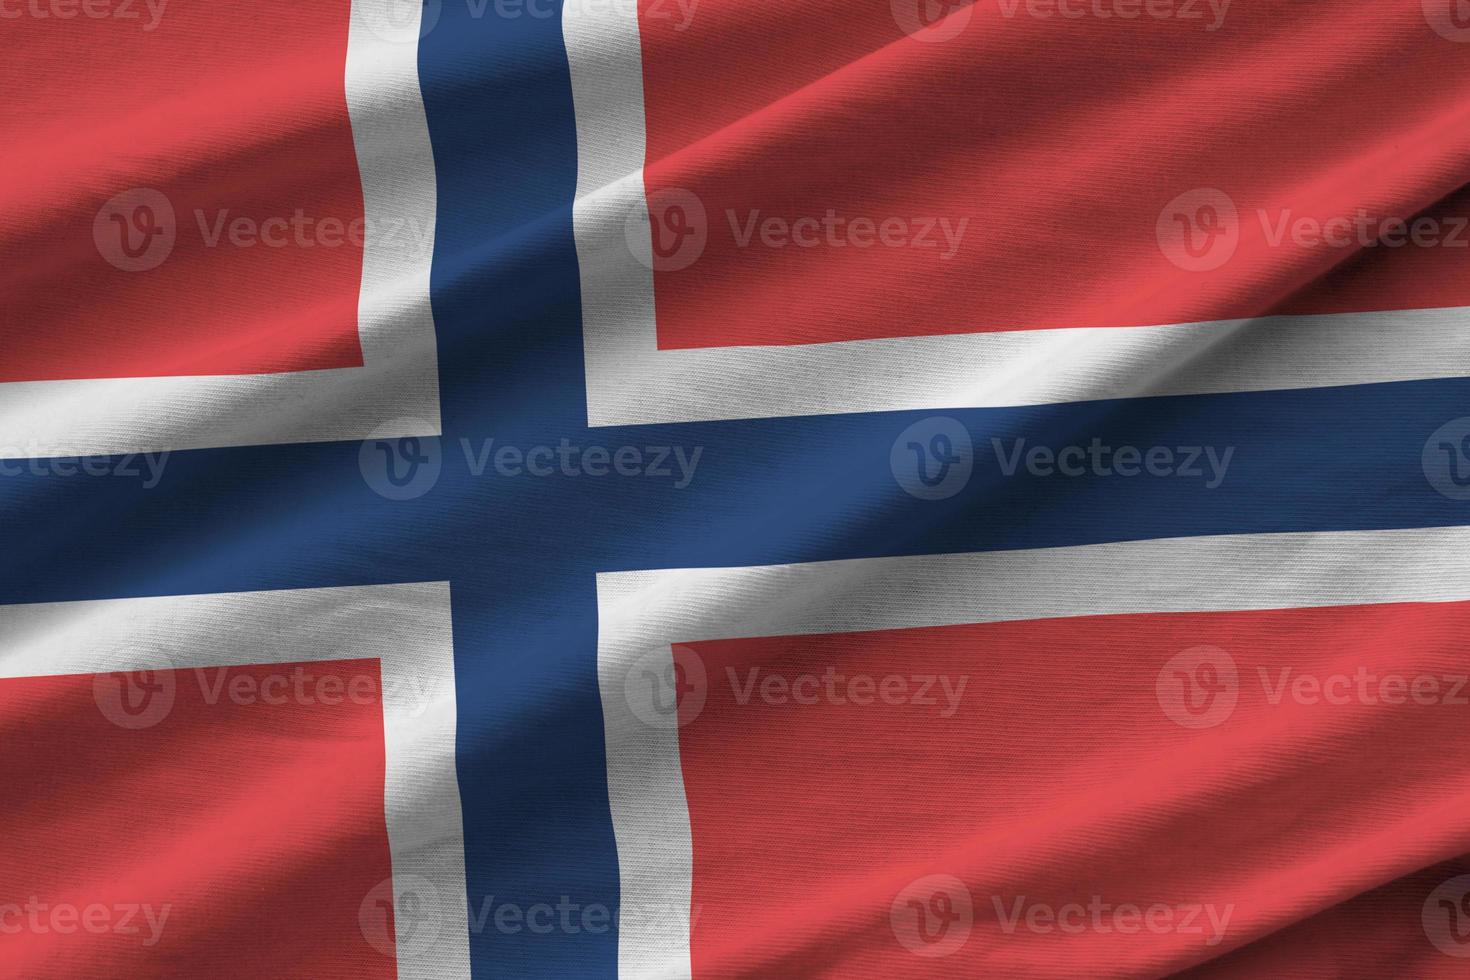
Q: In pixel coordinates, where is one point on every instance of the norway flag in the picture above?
(683, 489)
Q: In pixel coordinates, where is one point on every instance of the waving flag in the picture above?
(706, 489)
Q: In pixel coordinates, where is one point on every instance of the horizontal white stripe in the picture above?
(395, 394)
(405, 627)
(641, 614)
(629, 382)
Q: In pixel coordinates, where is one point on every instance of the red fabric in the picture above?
(1060, 141)
(1323, 828)
(232, 109)
(259, 827)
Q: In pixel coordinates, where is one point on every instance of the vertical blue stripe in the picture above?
(506, 299)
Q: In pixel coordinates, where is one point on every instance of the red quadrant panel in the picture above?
(222, 822)
(189, 204)
(1108, 796)
(1017, 170)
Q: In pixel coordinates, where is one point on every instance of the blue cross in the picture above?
(521, 552)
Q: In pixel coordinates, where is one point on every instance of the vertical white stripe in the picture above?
(610, 215)
(645, 782)
(396, 327)
(400, 202)
(421, 795)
